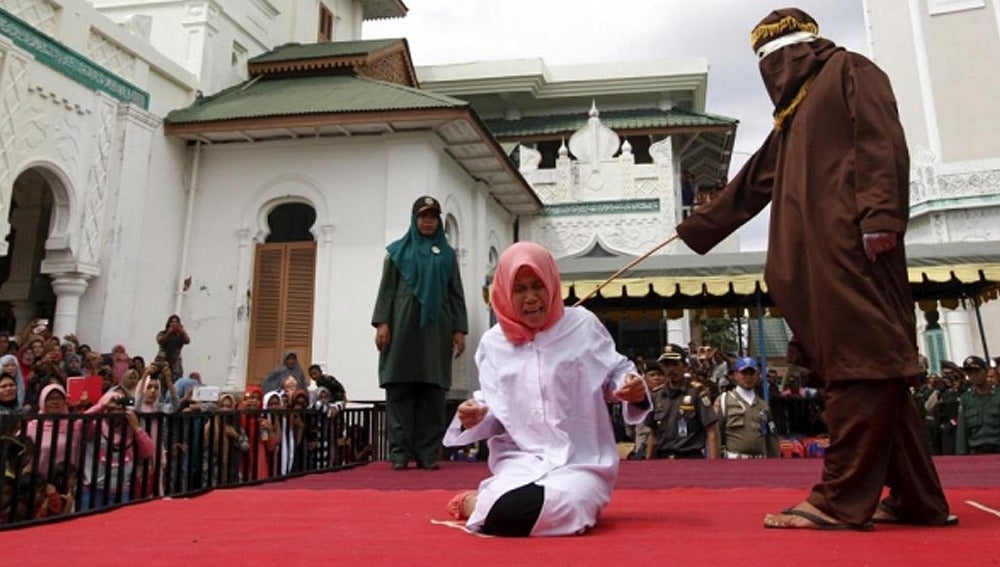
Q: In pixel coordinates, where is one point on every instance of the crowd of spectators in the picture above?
(961, 406)
(789, 410)
(81, 430)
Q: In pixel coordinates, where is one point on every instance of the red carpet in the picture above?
(325, 519)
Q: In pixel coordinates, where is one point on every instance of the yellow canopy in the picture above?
(941, 273)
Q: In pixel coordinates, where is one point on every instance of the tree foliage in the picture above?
(721, 333)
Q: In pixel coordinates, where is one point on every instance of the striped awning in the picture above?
(940, 275)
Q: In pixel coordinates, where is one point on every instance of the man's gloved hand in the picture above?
(878, 242)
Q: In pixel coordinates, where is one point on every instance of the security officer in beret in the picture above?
(978, 430)
(683, 423)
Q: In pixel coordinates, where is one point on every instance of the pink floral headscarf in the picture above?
(515, 257)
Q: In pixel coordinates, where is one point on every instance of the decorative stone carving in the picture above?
(627, 153)
(13, 91)
(624, 205)
(59, 127)
(97, 178)
(530, 158)
(39, 14)
(646, 187)
(970, 183)
(662, 152)
(926, 184)
(573, 236)
(108, 54)
(594, 142)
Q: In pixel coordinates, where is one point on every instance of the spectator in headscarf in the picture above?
(280, 441)
(9, 365)
(9, 408)
(421, 322)
(54, 446)
(261, 430)
(289, 366)
(225, 442)
(120, 428)
(120, 363)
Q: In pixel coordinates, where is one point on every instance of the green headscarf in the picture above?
(426, 264)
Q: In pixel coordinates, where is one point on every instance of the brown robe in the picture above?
(836, 169)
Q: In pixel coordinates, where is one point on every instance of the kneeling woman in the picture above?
(546, 373)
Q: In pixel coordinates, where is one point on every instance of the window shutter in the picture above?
(299, 279)
(281, 306)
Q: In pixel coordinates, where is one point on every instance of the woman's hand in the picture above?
(633, 390)
(471, 413)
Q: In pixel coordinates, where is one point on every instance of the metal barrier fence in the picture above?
(57, 466)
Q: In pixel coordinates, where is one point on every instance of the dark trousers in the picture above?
(514, 514)
(877, 439)
(415, 421)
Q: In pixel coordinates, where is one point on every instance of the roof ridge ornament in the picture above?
(595, 141)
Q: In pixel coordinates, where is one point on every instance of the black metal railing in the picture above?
(58, 466)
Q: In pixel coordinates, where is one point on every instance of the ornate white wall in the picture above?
(598, 198)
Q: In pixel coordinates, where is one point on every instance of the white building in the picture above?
(604, 146)
(943, 57)
(260, 211)
(209, 158)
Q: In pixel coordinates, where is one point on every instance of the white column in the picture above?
(322, 308)
(957, 325)
(126, 190)
(679, 330)
(68, 288)
(235, 379)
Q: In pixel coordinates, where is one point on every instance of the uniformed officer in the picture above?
(683, 423)
(978, 430)
(747, 429)
(946, 408)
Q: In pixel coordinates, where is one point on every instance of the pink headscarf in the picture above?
(515, 257)
(52, 444)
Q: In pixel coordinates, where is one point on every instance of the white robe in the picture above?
(548, 421)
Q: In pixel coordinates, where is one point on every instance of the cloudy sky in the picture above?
(566, 32)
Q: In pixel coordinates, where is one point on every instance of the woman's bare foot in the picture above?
(462, 505)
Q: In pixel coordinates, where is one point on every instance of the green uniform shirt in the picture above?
(417, 354)
(978, 421)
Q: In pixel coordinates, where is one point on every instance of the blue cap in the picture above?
(744, 363)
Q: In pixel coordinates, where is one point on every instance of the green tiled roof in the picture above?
(632, 119)
(309, 95)
(295, 51)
